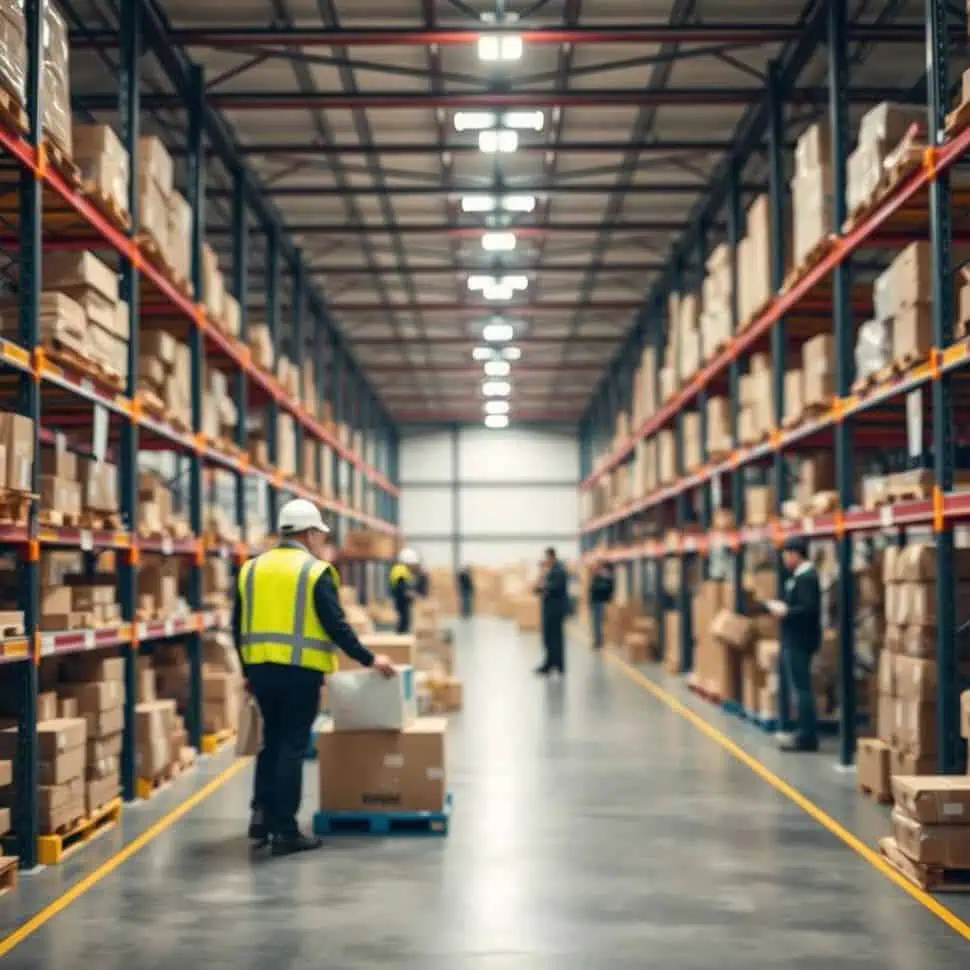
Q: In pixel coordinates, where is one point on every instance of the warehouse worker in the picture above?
(600, 596)
(466, 590)
(287, 622)
(800, 612)
(401, 582)
(553, 587)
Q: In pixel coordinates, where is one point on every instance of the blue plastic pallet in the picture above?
(383, 823)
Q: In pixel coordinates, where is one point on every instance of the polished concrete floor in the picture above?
(593, 828)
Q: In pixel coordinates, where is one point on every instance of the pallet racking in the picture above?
(62, 399)
(918, 207)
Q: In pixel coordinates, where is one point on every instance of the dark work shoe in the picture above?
(297, 842)
(258, 830)
(798, 746)
(542, 671)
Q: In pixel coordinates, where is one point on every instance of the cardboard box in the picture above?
(946, 846)
(384, 770)
(400, 649)
(17, 435)
(965, 714)
(915, 678)
(935, 800)
(5, 821)
(62, 767)
(58, 735)
(759, 504)
(105, 723)
(904, 762)
(89, 667)
(672, 651)
(366, 701)
(47, 706)
(873, 768)
(100, 791)
(101, 748)
(912, 333)
(915, 726)
(732, 629)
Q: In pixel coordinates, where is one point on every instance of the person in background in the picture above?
(800, 612)
(422, 581)
(402, 582)
(600, 596)
(466, 590)
(286, 622)
(553, 588)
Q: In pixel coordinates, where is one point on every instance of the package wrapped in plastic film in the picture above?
(57, 79)
(13, 49)
(873, 347)
(103, 162)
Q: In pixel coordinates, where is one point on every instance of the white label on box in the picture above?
(952, 808)
(886, 517)
(141, 631)
(435, 774)
(394, 761)
(166, 546)
(169, 627)
(87, 541)
(48, 643)
(89, 639)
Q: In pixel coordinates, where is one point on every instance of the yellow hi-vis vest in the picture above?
(279, 621)
(398, 572)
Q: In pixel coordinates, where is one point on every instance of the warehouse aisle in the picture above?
(593, 827)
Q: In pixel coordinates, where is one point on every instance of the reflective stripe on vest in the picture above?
(293, 646)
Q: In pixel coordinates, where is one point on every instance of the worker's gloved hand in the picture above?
(384, 666)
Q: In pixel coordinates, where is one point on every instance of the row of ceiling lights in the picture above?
(498, 134)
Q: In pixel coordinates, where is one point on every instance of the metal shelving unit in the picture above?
(918, 207)
(59, 399)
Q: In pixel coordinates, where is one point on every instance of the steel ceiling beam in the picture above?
(526, 342)
(649, 149)
(626, 34)
(316, 191)
(495, 309)
(450, 230)
(688, 97)
(532, 370)
(453, 270)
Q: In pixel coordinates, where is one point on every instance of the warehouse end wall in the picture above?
(470, 494)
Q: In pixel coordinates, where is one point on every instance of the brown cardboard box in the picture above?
(59, 461)
(672, 655)
(105, 723)
(887, 673)
(733, 629)
(946, 846)
(915, 678)
(102, 748)
(904, 762)
(5, 821)
(759, 504)
(97, 696)
(915, 726)
(6, 773)
(384, 770)
(912, 333)
(916, 562)
(965, 714)
(725, 670)
(873, 768)
(886, 718)
(752, 680)
(100, 791)
(818, 366)
(62, 767)
(60, 495)
(68, 271)
(89, 667)
(400, 648)
(17, 435)
(918, 641)
(936, 799)
(58, 735)
(47, 706)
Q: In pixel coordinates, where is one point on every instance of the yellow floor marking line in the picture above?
(805, 804)
(106, 868)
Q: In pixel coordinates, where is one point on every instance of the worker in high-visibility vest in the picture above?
(288, 623)
(402, 582)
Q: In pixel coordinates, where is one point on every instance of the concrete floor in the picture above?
(593, 827)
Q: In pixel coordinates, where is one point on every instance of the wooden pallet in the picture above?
(60, 160)
(52, 849)
(212, 743)
(808, 262)
(882, 798)
(14, 507)
(100, 522)
(10, 625)
(384, 823)
(908, 361)
(149, 787)
(9, 871)
(107, 205)
(928, 878)
(58, 519)
(60, 353)
(958, 119)
(910, 158)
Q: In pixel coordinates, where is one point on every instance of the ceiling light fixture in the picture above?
(524, 120)
(512, 353)
(496, 420)
(518, 203)
(496, 389)
(483, 353)
(475, 120)
(500, 47)
(498, 141)
(497, 368)
(498, 242)
(497, 332)
(478, 203)
(497, 407)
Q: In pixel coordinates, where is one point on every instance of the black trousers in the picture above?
(466, 602)
(554, 641)
(288, 699)
(403, 616)
(797, 668)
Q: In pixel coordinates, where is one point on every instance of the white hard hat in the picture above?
(409, 557)
(300, 514)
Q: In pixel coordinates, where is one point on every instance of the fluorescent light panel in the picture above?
(497, 368)
(496, 388)
(478, 203)
(497, 407)
(496, 333)
(499, 242)
(496, 421)
(498, 141)
(475, 120)
(500, 47)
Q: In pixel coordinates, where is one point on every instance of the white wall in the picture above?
(489, 497)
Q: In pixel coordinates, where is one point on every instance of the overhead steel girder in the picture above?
(453, 270)
(293, 149)
(526, 342)
(323, 191)
(464, 232)
(532, 370)
(496, 309)
(691, 97)
(626, 34)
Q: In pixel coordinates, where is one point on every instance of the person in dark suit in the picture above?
(800, 612)
(466, 590)
(554, 590)
(600, 596)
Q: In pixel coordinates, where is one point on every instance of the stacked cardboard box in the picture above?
(178, 237)
(93, 601)
(880, 132)
(641, 642)
(715, 321)
(902, 297)
(164, 371)
(645, 400)
(158, 588)
(217, 586)
(6, 796)
(95, 687)
(219, 412)
(156, 173)
(364, 544)
(213, 284)
(103, 162)
(56, 79)
(814, 487)
(156, 508)
(16, 451)
(930, 826)
(261, 343)
(754, 261)
(61, 322)
(378, 755)
(99, 491)
(222, 684)
(811, 190)
(13, 49)
(60, 490)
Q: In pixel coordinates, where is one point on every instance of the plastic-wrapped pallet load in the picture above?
(56, 82)
(361, 701)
